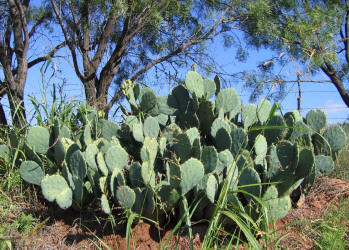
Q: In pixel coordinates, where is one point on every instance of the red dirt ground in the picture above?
(61, 230)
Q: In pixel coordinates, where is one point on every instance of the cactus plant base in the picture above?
(323, 193)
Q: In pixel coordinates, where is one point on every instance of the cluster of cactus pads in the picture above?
(180, 148)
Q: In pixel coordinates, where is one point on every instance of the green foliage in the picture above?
(143, 166)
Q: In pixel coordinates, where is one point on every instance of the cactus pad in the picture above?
(192, 171)
(277, 207)
(54, 187)
(323, 165)
(194, 83)
(229, 101)
(151, 127)
(125, 196)
(336, 137)
(116, 157)
(263, 110)
(38, 139)
(209, 158)
(31, 172)
(249, 115)
(316, 119)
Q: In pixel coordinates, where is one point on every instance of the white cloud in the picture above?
(331, 107)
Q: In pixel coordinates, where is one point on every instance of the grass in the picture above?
(13, 221)
(332, 230)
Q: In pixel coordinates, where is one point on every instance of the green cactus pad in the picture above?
(196, 149)
(54, 187)
(206, 115)
(263, 110)
(228, 100)
(305, 164)
(71, 149)
(274, 165)
(105, 204)
(316, 119)
(90, 156)
(300, 129)
(192, 133)
(249, 115)
(162, 119)
(117, 179)
(226, 158)
(68, 176)
(260, 146)
(223, 139)
(211, 188)
(102, 181)
(162, 145)
(149, 149)
(87, 137)
(4, 152)
(239, 140)
(101, 164)
(78, 169)
(336, 137)
(31, 172)
(77, 165)
(125, 196)
(148, 173)
(324, 165)
(249, 176)
(38, 139)
(194, 83)
(277, 207)
(217, 125)
(168, 104)
(182, 97)
(59, 150)
(116, 157)
(173, 172)
(209, 87)
(209, 158)
(169, 195)
(182, 147)
(151, 127)
(287, 154)
(147, 100)
(144, 203)
(137, 132)
(192, 171)
(275, 134)
(135, 175)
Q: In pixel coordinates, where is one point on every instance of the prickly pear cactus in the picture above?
(181, 148)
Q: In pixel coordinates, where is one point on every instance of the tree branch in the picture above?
(39, 22)
(69, 43)
(42, 58)
(346, 39)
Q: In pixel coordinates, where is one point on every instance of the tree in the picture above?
(19, 25)
(316, 33)
(111, 41)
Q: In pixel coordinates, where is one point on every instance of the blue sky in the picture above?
(314, 95)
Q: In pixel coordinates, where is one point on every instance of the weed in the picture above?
(330, 232)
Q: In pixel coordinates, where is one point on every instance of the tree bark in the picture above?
(3, 120)
(337, 82)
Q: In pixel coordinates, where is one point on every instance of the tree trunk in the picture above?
(337, 82)
(3, 120)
